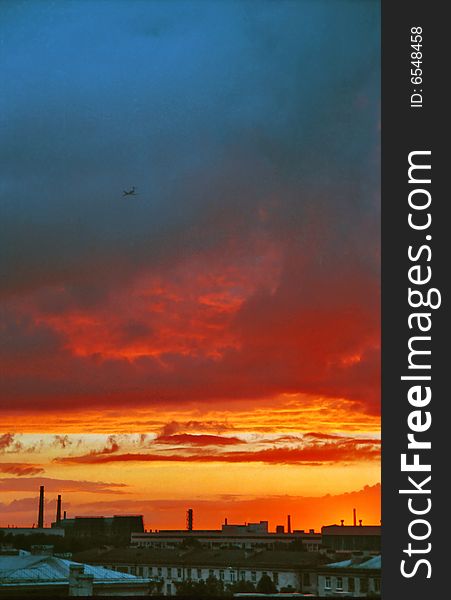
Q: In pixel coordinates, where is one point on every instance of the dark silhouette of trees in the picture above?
(212, 588)
(240, 587)
(266, 585)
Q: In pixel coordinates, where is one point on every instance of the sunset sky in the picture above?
(214, 341)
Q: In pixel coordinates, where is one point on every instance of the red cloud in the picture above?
(20, 469)
(304, 318)
(7, 443)
(25, 505)
(31, 484)
(62, 441)
(111, 447)
(316, 452)
(176, 427)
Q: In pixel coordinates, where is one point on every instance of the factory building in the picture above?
(249, 536)
(104, 529)
(55, 530)
(352, 538)
(101, 528)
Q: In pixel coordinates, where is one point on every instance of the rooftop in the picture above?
(224, 534)
(26, 568)
(200, 557)
(363, 563)
(351, 530)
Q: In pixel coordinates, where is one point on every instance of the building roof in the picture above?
(189, 532)
(224, 535)
(367, 563)
(32, 531)
(351, 530)
(28, 568)
(201, 557)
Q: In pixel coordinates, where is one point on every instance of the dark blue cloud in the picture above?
(211, 109)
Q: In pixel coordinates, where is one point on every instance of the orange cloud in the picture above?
(311, 450)
(198, 440)
(20, 469)
(8, 444)
(31, 484)
(285, 413)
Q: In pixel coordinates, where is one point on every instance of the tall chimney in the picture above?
(225, 522)
(355, 516)
(58, 510)
(289, 524)
(41, 508)
(189, 519)
(65, 515)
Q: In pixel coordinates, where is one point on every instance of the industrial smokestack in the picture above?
(189, 519)
(65, 515)
(41, 507)
(355, 516)
(58, 510)
(289, 524)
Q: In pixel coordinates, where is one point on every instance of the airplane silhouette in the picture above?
(131, 192)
